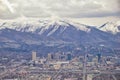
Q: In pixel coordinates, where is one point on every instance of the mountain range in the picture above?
(47, 35)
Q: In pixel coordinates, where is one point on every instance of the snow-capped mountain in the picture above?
(45, 32)
(111, 27)
(41, 26)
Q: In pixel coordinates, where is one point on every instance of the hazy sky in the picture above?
(10, 9)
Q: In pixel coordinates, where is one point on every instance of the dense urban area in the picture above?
(61, 66)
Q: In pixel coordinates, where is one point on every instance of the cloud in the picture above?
(61, 8)
(118, 4)
(6, 2)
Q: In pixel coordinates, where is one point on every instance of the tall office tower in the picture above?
(33, 55)
(57, 56)
(62, 57)
(99, 57)
(69, 56)
(50, 56)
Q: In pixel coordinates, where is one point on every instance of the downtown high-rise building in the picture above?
(50, 56)
(33, 56)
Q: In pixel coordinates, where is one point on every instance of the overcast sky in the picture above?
(10, 9)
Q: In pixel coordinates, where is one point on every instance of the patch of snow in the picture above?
(111, 27)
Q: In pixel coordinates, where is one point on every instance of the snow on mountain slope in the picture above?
(112, 27)
(55, 31)
(40, 26)
(21, 26)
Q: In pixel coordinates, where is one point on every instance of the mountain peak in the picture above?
(43, 25)
(112, 27)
